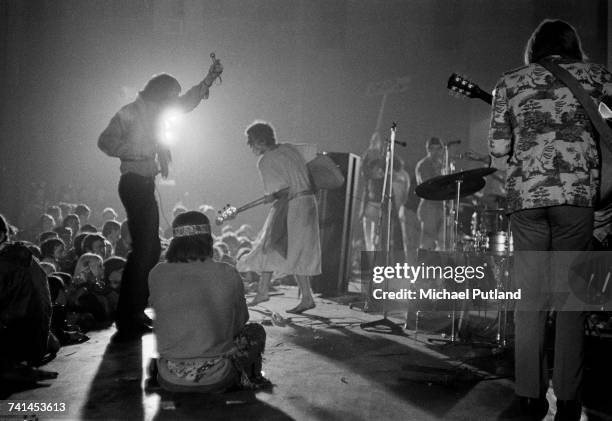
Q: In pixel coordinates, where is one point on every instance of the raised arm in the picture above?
(197, 93)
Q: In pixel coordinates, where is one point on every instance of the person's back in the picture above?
(203, 340)
(288, 169)
(25, 306)
(555, 157)
(199, 308)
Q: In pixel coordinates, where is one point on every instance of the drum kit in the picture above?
(477, 228)
(475, 225)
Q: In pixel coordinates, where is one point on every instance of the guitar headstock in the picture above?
(227, 213)
(459, 84)
(463, 86)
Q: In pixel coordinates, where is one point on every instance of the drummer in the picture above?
(431, 213)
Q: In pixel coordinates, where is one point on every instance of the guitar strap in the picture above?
(605, 133)
(603, 216)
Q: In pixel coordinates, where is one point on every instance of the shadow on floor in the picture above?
(115, 392)
(227, 406)
(428, 382)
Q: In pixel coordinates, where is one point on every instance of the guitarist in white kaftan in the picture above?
(288, 243)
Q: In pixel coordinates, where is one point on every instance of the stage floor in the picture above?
(323, 367)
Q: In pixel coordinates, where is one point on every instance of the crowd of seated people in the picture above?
(74, 270)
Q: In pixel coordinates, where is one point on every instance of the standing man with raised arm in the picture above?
(134, 136)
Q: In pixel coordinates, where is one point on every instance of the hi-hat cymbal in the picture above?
(444, 187)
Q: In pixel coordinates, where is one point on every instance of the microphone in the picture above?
(453, 142)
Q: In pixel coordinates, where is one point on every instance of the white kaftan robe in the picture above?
(279, 168)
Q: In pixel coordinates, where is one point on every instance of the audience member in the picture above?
(47, 223)
(44, 236)
(112, 232)
(52, 251)
(109, 214)
(56, 212)
(65, 233)
(94, 243)
(203, 340)
(83, 211)
(25, 307)
(89, 228)
(73, 222)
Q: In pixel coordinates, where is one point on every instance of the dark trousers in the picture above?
(137, 193)
(556, 228)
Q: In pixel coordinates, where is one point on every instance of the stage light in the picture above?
(169, 124)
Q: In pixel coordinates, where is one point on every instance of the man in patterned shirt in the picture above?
(551, 181)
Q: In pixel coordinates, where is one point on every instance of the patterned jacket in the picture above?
(547, 136)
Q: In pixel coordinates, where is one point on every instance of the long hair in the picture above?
(82, 271)
(190, 248)
(158, 88)
(553, 37)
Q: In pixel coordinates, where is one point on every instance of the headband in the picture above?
(187, 230)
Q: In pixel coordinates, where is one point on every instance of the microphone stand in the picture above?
(386, 197)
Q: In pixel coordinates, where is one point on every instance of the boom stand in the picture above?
(386, 197)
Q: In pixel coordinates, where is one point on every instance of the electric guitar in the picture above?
(463, 86)
(230, 212)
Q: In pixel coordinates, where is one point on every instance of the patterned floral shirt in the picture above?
(547, 136)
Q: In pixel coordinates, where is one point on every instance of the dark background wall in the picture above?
(305, 65)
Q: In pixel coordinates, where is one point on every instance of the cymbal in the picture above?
(444, 187)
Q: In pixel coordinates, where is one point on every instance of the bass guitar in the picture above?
(230, 212)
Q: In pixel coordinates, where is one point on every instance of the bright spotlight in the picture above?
(169, 126)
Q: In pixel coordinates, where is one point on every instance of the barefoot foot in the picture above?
(300, 308)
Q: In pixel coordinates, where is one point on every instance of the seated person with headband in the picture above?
(203, 339)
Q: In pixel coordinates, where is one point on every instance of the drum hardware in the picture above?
(453, 187)
(490, 234)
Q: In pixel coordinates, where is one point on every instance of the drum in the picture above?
(493, 221)
(500, 244)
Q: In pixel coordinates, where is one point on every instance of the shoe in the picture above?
(568, 410)
(525, 409)
(300, 308)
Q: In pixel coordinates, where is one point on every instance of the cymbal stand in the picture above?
(502, 315)
(387, 197)
(445, 209)
(453, 248)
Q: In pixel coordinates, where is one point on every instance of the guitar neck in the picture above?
(250, 205)
(486, 97)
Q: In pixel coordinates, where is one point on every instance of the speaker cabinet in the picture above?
(337, 211)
